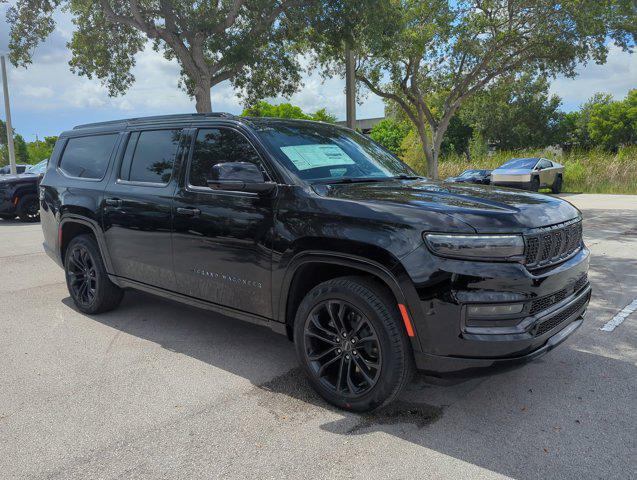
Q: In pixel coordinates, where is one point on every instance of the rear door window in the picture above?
(87, 157)
(150, 156)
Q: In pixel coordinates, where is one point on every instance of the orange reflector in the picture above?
(406, 320)
(15, 201)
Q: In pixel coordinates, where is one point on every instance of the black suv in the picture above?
(19, 194)
(322, 235)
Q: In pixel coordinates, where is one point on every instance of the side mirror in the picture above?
(239, 176)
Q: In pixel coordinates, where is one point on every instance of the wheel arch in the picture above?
(309, 268)
(71, 226)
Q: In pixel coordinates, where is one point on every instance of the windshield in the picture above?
(520, 163)
(471, 173)
(38, 168)
(324, 153)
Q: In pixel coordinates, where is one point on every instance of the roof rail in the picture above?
(155, 119)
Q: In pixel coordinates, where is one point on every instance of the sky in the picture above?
(46, 98)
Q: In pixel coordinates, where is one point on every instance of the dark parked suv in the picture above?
(322, 235)
(19, 194)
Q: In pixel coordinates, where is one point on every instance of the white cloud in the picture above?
(616, 76)
(36, 92)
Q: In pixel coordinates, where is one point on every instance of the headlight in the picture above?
(477, 247)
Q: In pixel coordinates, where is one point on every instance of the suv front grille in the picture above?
(540, 304)
(554, 321)
(552, 244)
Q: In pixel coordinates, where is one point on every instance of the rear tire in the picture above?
(557, 185)
(351, 342)
(86, 278)
(28, 208)
(7, 217)
(535, 185)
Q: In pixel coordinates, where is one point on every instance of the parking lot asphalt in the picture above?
(156, 389)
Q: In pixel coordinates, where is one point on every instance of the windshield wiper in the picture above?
(350, 180)
(406, 177)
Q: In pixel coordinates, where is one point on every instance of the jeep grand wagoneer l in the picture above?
(322, 235)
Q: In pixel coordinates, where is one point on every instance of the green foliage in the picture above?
(38, 150)
(252, 43)
(390, 134)
(477, 145)
(517, 112)
(286, 110)
(20, 148)
(430, 56)
(615, 123)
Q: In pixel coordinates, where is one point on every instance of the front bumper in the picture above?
(450, 343)
(517, 185)
(569, 320)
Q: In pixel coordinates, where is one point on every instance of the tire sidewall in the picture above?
(22, 206)
(391, 367)
(90, 246)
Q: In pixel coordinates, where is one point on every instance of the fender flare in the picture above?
(384, 274)
(97, 232)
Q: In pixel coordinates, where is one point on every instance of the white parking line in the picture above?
(617, 320)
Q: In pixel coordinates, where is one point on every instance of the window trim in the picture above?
(137, 183)
(199, 189)
(60, 170)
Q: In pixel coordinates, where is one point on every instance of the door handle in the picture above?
(113, 202)
(188, 212)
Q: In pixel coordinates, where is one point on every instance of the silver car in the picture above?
(529, 174)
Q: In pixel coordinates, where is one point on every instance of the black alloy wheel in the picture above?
(82, 274)
(352, 344)
(342, 348)
(86, 278)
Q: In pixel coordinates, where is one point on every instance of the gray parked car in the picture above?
(529, 174)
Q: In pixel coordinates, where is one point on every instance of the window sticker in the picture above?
(305, 157)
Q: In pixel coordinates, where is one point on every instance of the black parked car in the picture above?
(19, 168)
(480, 177)
(317, 232)
(19, 194)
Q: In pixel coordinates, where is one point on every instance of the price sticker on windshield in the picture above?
(305, 157)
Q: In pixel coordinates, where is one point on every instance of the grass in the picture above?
(585, 172)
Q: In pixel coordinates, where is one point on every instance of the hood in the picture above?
(20, 177)
(487, 209)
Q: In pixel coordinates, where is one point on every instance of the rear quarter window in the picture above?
(87, 157)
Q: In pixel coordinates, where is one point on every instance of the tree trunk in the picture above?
(432, 168)
(203, 104)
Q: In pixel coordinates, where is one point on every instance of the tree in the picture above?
(574, 126)
(252, 43)
(20, 146)
(390, 134)
(422, 51)
(614, 124)
(516, 112)
(286, 110)
(38, 150)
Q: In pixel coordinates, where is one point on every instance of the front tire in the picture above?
(535, 184)
(352, 345)
(28, 208)
(7, 217)
(86, 278)
(557, 185)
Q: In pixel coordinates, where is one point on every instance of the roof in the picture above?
(155, 119)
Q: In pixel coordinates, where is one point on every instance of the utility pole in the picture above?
(7, 110)
(350, 87)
